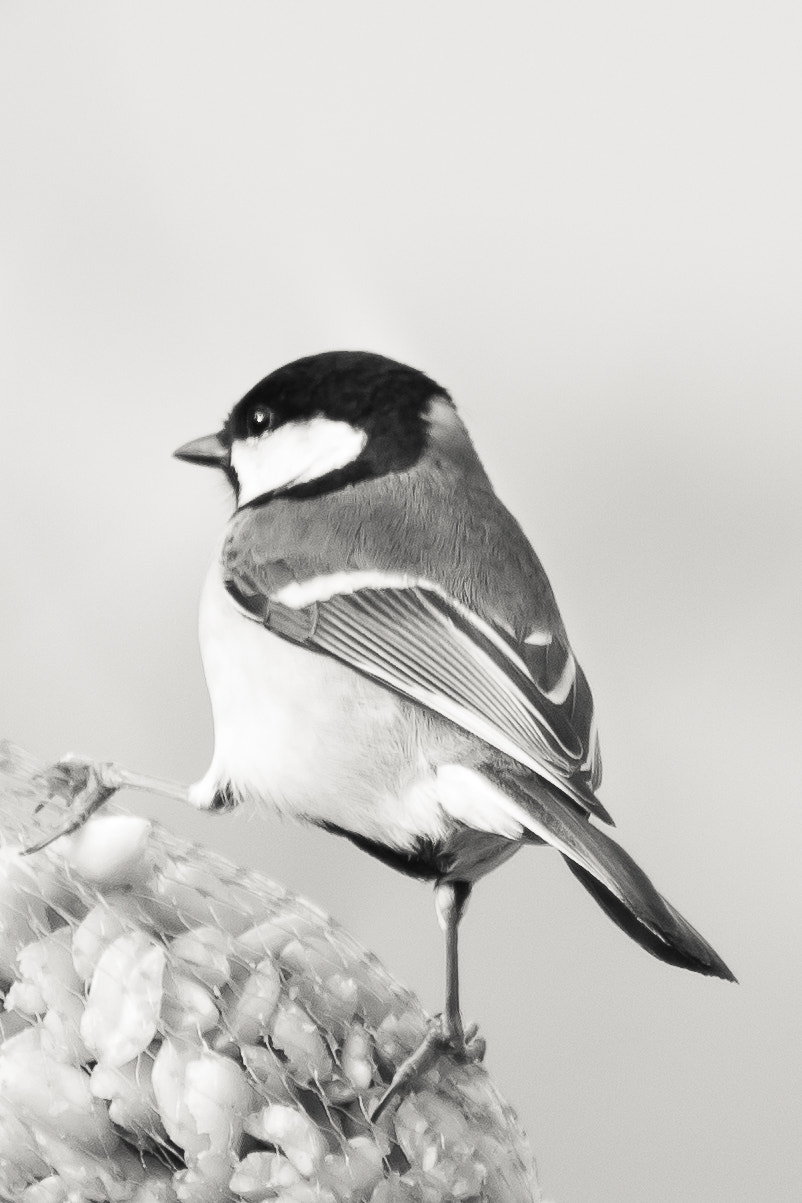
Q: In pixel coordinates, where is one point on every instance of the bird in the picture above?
(385, 658)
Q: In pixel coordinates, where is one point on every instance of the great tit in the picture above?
(385, 657)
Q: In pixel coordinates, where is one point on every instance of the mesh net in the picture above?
(174, 1028)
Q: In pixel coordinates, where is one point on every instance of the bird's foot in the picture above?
(465, 1047)
(83, 785)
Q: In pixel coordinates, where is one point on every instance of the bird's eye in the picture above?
(258, 420)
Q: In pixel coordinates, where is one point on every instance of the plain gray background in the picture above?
(584, 220)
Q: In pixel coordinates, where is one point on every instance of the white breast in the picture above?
(304, 734)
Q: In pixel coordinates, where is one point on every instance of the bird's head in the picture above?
(320, 423)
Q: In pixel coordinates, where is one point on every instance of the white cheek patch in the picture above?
(294, 455)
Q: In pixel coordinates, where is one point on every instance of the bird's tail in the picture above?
(653, 922)
(620, 887)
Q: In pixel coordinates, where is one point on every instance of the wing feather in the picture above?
(433, 650)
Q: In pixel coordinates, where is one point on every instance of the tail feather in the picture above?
(620, 887)
(682, 945)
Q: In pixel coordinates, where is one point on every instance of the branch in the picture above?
(177, 1029)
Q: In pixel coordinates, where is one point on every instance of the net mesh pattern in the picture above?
(176, 1028)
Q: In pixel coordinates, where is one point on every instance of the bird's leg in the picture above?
(446, 1033)
(86, 785)
(451, 899)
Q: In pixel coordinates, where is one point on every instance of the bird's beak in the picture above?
(212, 450)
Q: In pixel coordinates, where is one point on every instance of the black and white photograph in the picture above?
(401, 630)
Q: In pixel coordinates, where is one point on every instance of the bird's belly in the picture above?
(308, 736)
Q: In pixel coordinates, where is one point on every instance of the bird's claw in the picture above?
(466, 1048)
(82, 785)
(474, 1046)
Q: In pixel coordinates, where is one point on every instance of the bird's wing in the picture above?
(529, 700)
